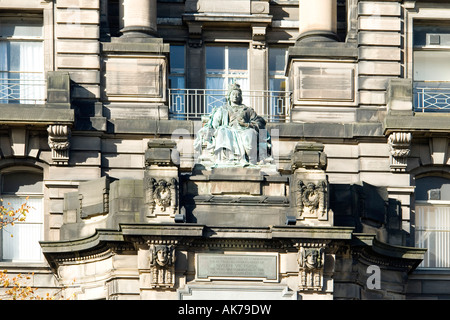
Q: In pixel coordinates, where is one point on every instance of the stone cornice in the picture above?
(377, 252)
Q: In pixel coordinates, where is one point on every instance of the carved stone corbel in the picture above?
(400, 148)
(311, 262)
(195, 35)
(259, 37)
(162, 265)
(58, 141)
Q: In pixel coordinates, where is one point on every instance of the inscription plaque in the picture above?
(319, 82)
(226, 266)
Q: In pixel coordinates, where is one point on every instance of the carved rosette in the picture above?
(311, 261)
(311, 200)
(161, 195)
(162, 265)
(58, 141)
(400, 148)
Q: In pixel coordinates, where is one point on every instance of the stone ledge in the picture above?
(410, 254)
(147, 45)
(327, 50)
(34, 114)
(426, 122)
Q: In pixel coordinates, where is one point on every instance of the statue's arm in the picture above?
(216, 118)
(256, 122)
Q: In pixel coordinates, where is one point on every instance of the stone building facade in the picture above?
(101, 105)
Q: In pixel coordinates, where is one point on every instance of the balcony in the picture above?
(432, 96)
(191, 104)
(32, 98)
(23, 88)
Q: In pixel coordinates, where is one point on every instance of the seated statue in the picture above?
(234, 134)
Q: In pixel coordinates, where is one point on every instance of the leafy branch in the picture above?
(18, 287)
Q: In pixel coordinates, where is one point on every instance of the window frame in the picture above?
(22, 195)
(227, 75)
(38, 84)
(426, 233)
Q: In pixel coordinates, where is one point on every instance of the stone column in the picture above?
(138, 18)
(318, 20)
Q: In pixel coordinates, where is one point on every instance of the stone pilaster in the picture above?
(161, 181)
(309, 185)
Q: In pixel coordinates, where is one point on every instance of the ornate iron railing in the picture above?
(432, 97)
(27, 89)
(191, 104)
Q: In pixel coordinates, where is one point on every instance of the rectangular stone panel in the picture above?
(380, 23)
(325, 81)
(379, 8)
(230, 6)
(237, 266)
(134, 77)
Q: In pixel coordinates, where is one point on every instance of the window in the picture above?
(225, 65)
(432, 67)
(21, 241)
(21, 59)
(177, 68)
(177, 82)
(433, 220)
(277, 83)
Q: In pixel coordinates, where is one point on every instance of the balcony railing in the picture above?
(25, 90)
(191, 104)
(432, 97)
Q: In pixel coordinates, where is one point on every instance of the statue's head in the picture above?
(234, 94)
(162, 255)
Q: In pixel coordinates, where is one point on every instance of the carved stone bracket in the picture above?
(195, 35)
(400, 148)
(58, 140)
(162, 265)
(311, 261)
(259, 37)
